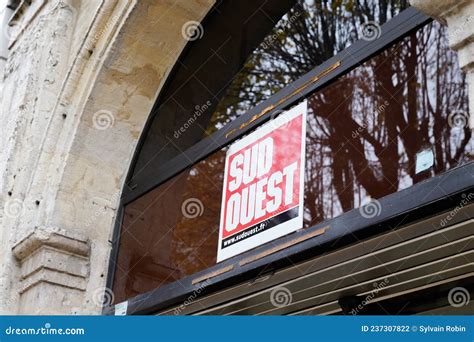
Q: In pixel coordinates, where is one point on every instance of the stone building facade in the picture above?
(79, 81)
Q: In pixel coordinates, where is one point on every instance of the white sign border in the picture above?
(284, 228)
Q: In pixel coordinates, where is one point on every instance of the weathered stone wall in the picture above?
(80, 80)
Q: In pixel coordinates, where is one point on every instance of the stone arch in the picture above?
(135, 68)
(114, 56)
(100, 112)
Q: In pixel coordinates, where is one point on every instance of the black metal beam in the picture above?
(425, 199)
(391, 32)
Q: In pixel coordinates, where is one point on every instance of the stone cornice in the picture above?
(440, 9)
(55, 237)
(55, 256)
(457, 15)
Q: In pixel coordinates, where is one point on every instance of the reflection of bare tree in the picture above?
(364, 133)
(366, 129)
(378, 117)
(194, 243)
(309, 34)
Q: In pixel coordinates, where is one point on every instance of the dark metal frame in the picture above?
(434, 195)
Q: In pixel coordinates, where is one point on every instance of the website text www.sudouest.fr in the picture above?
(244, 235)
(44, 330)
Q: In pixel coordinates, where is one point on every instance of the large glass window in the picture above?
(365, 132)
(249, 51)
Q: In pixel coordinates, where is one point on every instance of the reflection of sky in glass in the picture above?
(298, 42)
(370, 108)
(364, 98)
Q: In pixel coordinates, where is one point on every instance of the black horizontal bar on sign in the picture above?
(343, 62)
(260, 227)
(425, 199)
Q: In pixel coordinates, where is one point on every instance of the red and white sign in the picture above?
(262, 198)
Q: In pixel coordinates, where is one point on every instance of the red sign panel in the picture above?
(263, 184)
